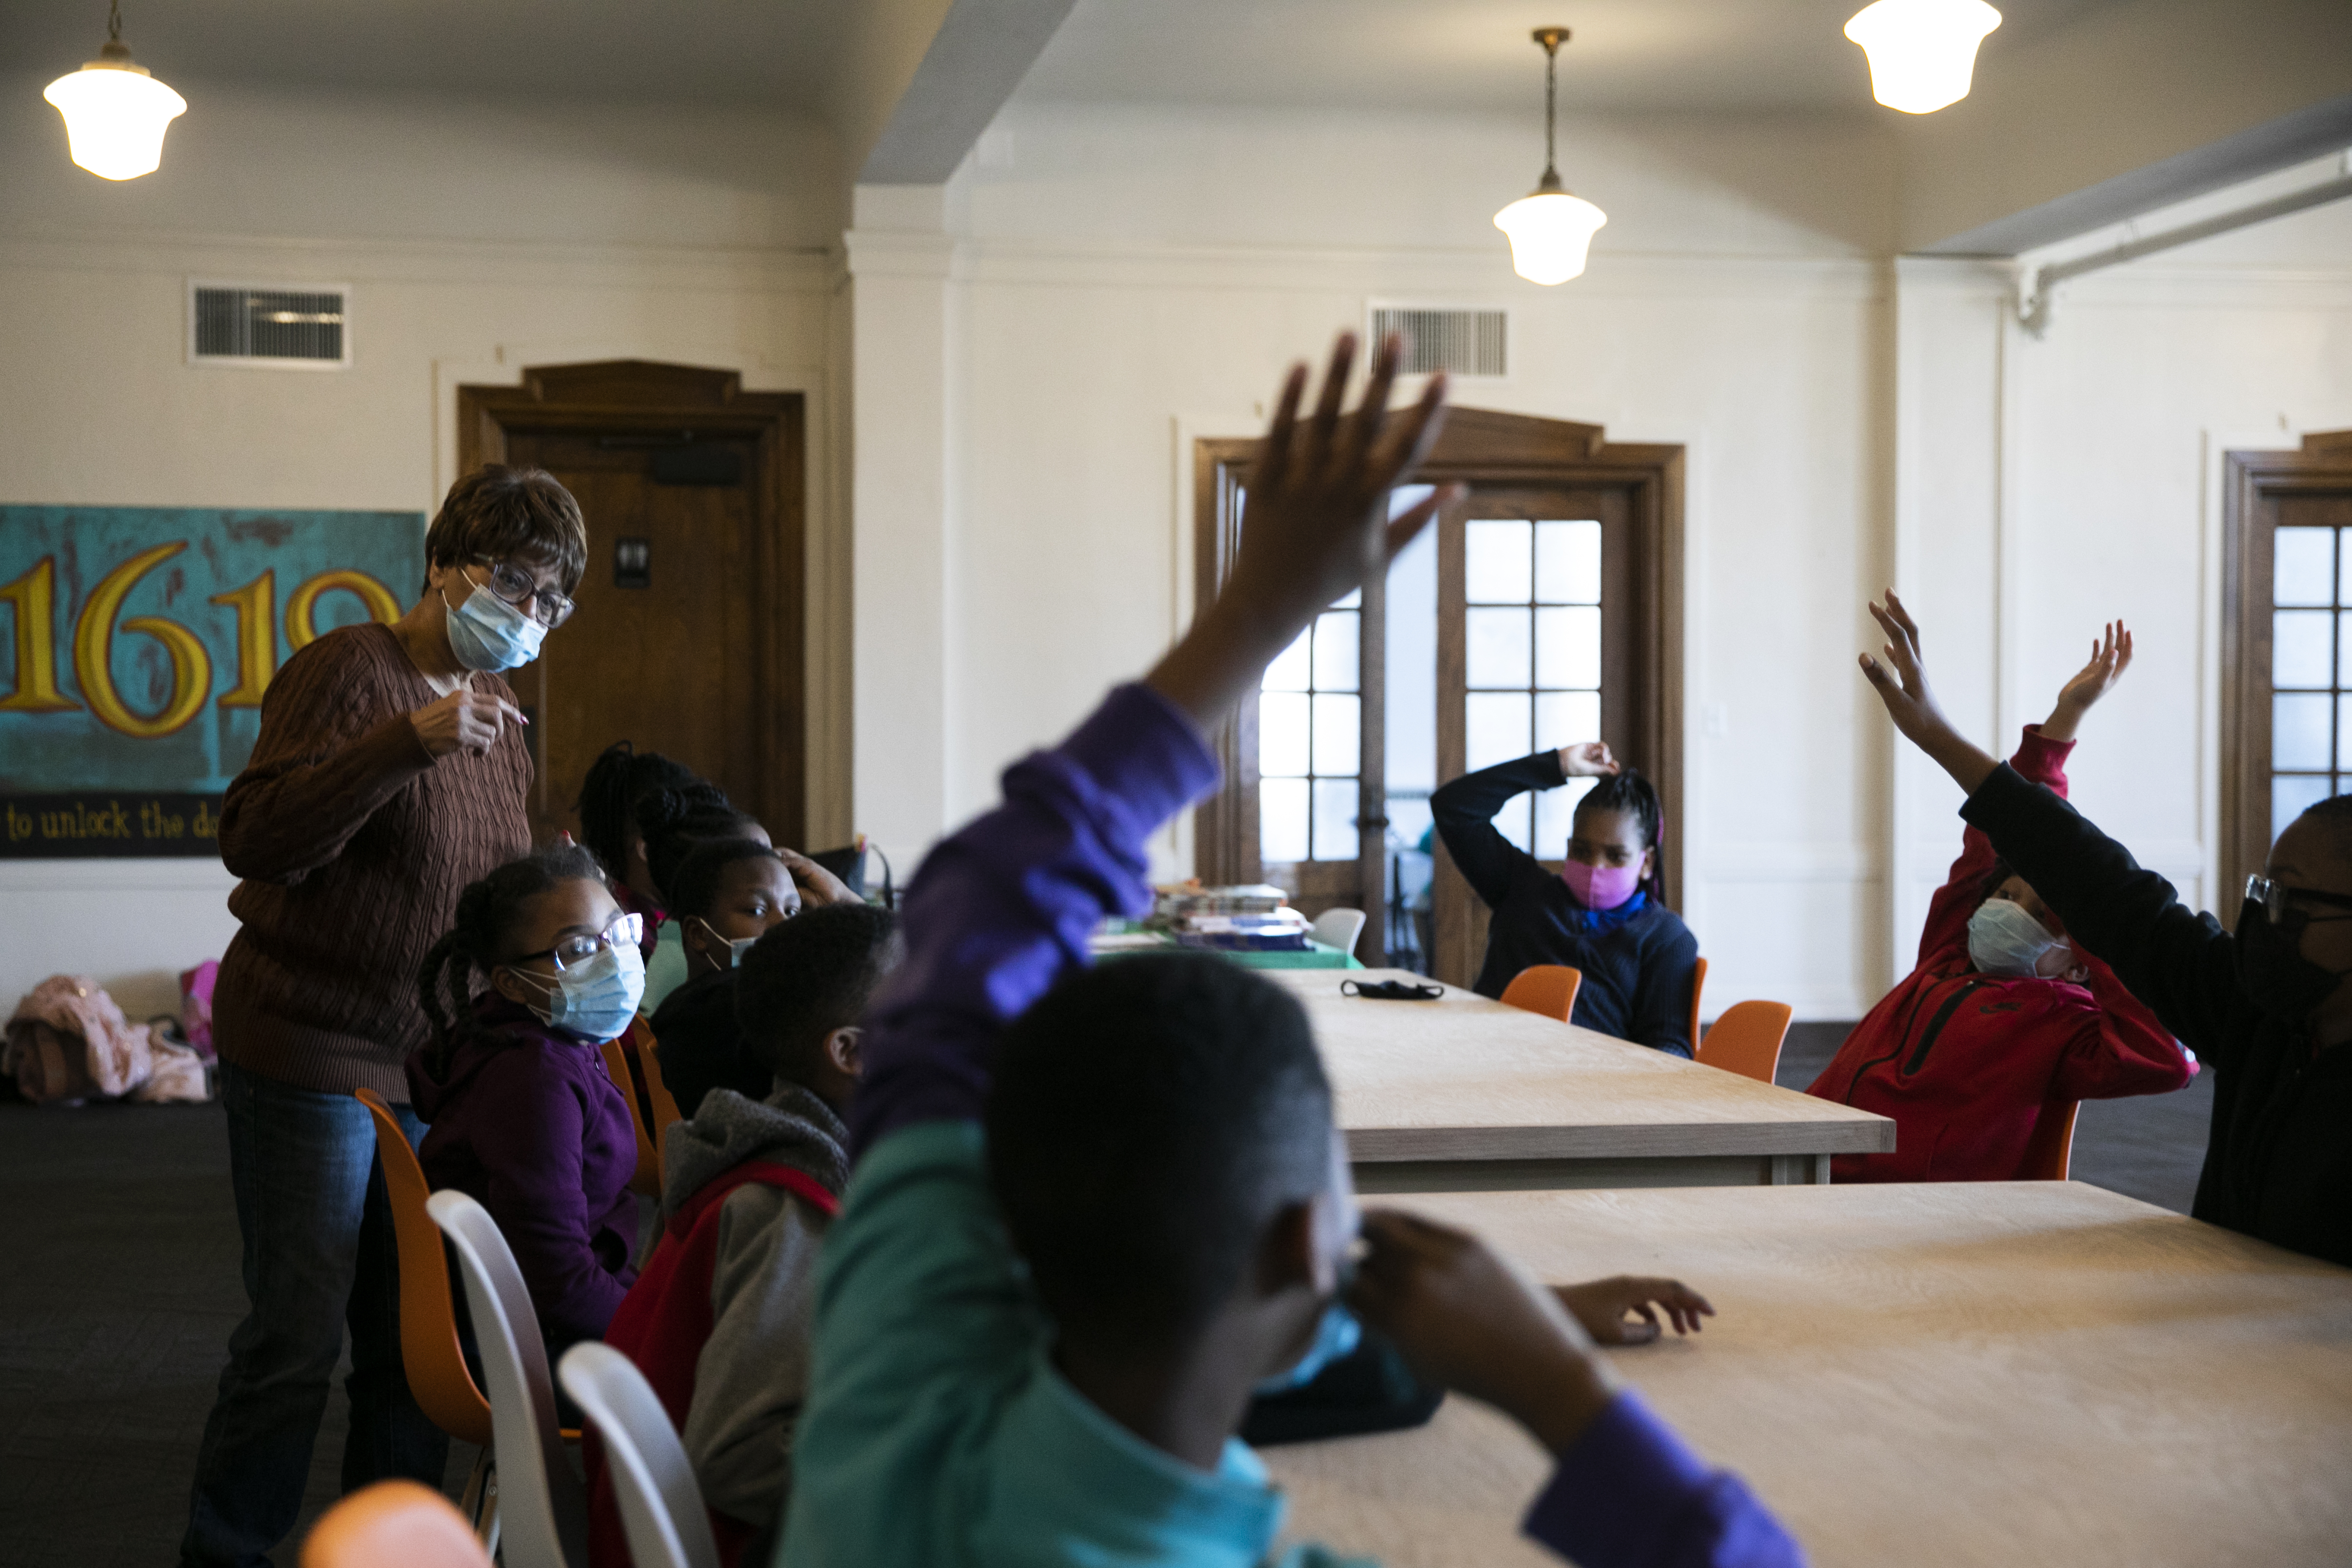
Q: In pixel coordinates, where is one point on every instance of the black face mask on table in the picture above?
(2273, 973)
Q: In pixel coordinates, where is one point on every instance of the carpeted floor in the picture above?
(121, 1288)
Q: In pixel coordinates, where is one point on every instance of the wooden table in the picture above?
(1466, 1094)
(2002, 1373)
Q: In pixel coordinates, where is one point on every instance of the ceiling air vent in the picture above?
(1461, 343)
(302, 326)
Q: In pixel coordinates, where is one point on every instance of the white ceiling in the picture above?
(1627, 55)
(1684, 55)
(773, 53)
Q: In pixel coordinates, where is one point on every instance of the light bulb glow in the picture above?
(1550, 233)
(1923, 53)
(115, 118)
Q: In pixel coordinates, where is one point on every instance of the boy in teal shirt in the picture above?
(1096, 1209)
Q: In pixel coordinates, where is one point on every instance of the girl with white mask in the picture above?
(2005, 1020)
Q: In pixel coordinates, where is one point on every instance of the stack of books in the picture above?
(1252, 919)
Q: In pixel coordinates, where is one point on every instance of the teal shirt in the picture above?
(938, 1435)
(665, 970)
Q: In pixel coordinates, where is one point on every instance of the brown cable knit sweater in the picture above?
(353, 843)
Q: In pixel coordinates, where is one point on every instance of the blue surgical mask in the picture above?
(486, 632)
(2005, 940)
(595, 999)
(1335, 1337)
(736, 946)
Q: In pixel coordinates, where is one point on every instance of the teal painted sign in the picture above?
(139, 640)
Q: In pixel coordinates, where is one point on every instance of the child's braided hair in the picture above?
(487, 912)
(619, 778)
(673, 820)
(1627, 790)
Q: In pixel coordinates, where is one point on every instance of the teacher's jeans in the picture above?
(318, 1254)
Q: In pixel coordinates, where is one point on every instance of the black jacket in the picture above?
(2278, 1161)
(1637, 973)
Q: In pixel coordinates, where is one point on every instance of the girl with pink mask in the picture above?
(1602, 912)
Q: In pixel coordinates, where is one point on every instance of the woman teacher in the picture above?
(391, 771)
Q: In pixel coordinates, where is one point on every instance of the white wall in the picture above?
(477, 239)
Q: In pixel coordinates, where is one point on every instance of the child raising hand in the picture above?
(2007, 1018)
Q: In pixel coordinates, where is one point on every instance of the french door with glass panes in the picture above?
(2286, 645)
(1535, 615)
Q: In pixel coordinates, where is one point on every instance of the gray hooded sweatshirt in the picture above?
(753, 1370)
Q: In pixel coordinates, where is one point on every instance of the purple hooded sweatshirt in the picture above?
(526, 1123)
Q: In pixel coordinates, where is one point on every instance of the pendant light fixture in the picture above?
(1922, 52)
(1550, 230)
(115, 112)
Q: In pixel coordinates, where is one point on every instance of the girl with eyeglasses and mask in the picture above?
(2005, 1020)
(2268, 1006)
(390, 771)
(522, 1117)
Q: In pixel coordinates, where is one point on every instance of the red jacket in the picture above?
(1966, 1062)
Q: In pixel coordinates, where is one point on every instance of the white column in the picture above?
(903, 506)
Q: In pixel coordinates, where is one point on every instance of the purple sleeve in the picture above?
(1628, 1494)
(528, 1126)
(1002, 909)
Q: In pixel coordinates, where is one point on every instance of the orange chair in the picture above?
(1746, 1039)
(647, 1182)
(429, 1351)
(665, 1104)
(1547, 988)
(1699, 984)
(2050, 1155)
(393, 1524)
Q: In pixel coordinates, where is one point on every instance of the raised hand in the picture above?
(1316, 524)
(1603, 1308)
(1902, 684)
(2111, 655)
(1587, 759)
(1465, 1320)
(465, 720)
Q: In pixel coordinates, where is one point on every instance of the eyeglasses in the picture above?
(518, 588)
(628, 929)
(2275, 897)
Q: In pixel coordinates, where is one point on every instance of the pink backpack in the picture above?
(68, 1041)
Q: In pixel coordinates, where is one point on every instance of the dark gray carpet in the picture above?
(115, 1309)
(122, 1287)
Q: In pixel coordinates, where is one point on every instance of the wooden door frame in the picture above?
(1485, 446)
(2250, 479)
(637, 397)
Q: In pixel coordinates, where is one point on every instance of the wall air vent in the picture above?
(302, 326)
(1461, 341)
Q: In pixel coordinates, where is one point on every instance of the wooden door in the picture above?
(1540, 642)
(687, 636)
(2286, 646)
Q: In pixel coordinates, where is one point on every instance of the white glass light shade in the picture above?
(115, 118)
(1922, 52)
(1550, 232)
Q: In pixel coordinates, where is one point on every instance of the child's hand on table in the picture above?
(1465, 1320)
(1601, 1307)
(1317, 527)
(2111, 655)
(1587, 759)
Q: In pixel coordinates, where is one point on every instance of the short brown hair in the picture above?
(496, 512)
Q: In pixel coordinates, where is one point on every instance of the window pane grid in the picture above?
(1531, 657)
(1309, 742)
(2310, 669)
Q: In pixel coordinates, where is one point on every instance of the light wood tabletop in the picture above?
(1465, 1094)
(1998, 1373)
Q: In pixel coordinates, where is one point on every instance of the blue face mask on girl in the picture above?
(1336, 1338)
(487, 633)
(596, 998)
(2003, 939)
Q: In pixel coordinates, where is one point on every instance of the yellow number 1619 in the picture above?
(34, 598)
